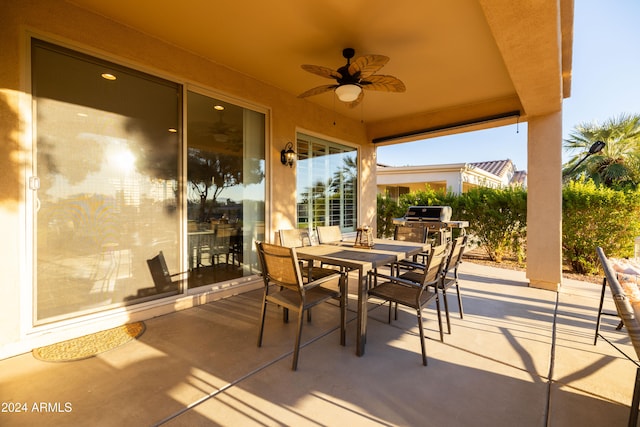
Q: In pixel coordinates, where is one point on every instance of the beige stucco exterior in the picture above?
(544, 202)
(64, 23)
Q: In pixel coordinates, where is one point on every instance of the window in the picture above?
(327, 179)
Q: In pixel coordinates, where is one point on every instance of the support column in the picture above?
(544, 201)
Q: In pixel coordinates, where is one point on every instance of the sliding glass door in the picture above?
(225, 189)
(114, 170)
(107, 168)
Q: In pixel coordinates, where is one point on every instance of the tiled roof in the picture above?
(496, 167)
(519, 178)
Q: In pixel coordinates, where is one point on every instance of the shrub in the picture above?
(387, 210)
(497, 219)
(597, 216)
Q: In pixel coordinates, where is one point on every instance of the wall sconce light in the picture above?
(287, 155)
(348, 92)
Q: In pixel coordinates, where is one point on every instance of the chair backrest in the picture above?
(436, 264)
(294, 238)
(409, 233)
(159, 272)
(223, 235)
(457, 250)
(280, 266)
(329, 234)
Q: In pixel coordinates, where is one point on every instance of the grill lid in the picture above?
(428, 213)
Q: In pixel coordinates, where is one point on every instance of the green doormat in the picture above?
(89, 345)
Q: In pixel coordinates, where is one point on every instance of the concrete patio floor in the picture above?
(520, 356)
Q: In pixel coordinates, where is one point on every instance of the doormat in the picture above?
(89, 345)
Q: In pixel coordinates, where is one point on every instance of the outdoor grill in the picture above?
(435, 219)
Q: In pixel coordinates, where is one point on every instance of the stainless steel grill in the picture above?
(436, 221)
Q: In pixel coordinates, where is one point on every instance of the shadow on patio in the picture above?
(201, 366)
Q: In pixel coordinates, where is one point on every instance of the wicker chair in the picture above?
(415, 294)
(284, 287)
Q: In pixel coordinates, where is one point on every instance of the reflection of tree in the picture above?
(345, 178)
(210, 172)
(341, 186)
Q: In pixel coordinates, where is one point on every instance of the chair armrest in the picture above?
(324, 279)
(411, 264)
(395, 279)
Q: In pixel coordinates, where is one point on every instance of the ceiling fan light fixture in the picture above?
(348, 92)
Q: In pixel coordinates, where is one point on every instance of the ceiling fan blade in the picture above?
(321, 71)
(367, 65)
(383, 83)
(317, 90)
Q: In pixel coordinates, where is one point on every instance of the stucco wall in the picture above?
(63, 23)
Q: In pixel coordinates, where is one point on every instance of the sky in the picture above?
(605, 83)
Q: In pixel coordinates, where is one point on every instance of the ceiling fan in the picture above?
(353, 77)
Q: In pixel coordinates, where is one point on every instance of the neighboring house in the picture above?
(454, 177)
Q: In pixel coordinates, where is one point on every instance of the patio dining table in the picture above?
(344, 254)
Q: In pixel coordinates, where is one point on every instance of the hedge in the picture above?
(591, 216)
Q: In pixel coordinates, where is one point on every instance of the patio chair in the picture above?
(631, 323)
(450, 276)
(284, 287)
(411, 234)
(296, 238)
(415, 294)
(328, 234)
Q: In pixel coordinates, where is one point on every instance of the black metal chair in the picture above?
(413, 233)
(415, 294)
(284, 286)
(451, 276)
(296, 238)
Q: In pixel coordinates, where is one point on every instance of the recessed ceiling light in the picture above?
(82, 114)
(173, 130)
(218, 107)
(108, 76)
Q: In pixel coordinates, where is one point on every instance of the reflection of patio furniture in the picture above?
(162, 279)
(280, 268)
(415, 294)
(225, 244)
(199, 243)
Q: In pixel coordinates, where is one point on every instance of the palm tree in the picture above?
(618, 164)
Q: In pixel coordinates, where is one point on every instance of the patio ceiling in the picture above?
(461, 61)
